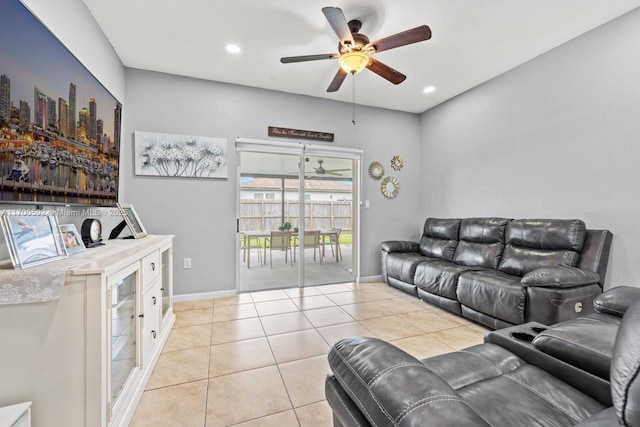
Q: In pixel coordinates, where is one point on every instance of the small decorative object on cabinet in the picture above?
(98, 340)
(132, 219)
(72, 240)
(376, 170)
(390, 187)
(397, 163)
(32, 238)
(91, 231)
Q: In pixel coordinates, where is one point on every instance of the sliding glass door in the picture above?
(297, 220)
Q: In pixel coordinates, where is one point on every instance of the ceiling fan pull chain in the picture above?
(353, 101)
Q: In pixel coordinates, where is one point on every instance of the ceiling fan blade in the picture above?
(339, 24)
(403, 38)
(337, 80)
(303, 58)
(394, 76)
(333, 173)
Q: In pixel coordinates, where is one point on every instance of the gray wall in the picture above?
(202, 213)
(556, 137)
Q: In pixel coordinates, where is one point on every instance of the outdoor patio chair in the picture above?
(311, 240)
(280, 241)
(246, 244)
(331, 238)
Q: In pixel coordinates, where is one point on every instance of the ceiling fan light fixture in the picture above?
(353, 62)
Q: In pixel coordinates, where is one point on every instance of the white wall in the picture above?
(557, 137)
(73, 24)
(202, 213)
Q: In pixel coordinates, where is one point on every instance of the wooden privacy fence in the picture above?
(319, 214)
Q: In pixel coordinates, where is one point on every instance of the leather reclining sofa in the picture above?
(502, 272)
(572, 373)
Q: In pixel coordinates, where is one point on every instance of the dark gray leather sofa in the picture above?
(501, 272)
(374, 383)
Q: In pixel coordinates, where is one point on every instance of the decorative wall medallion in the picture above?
(397, 163)
(390, 187)
(376, 170)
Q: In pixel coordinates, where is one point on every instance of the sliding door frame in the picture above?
(303, 149)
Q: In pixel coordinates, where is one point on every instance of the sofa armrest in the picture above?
(616, 300)
(560, 276)
(400, 246)
(391, 387)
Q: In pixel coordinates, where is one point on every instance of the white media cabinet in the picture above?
(84, 357)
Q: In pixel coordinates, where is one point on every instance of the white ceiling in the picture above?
(473, 41)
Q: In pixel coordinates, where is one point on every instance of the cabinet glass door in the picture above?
(123, 332)
(166, 280)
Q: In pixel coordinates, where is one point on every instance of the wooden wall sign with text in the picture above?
(300, 134)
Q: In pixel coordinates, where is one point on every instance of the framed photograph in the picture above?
(133, 221)
(33, 237)
(72, 239)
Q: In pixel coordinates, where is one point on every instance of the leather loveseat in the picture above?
(501, 272)
(374, 383)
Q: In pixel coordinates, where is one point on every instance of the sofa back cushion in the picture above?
(481, 242)
(534, 243)
(440, 238)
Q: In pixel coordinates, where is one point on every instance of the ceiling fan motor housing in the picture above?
(360, 41)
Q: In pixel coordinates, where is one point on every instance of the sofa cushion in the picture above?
(439, 277)
(586, 342)
(519, 261)
(440, 238)
(506, 391)
(483, 230)
(481, 242)
(493, 293)
(402, 265)
(478, 254)
(534, 243)
(547, 233)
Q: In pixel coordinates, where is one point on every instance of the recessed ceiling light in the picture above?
(429, 89)
(233, 48)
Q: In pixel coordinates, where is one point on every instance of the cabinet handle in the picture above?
(162, 289)
(154, 300)
(153, 334)
(141, 315)
(153, 266)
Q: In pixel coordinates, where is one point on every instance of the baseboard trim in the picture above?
(368, 279)
(204, 295)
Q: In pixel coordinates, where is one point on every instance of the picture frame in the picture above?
(180, 156)
(132, 219)
(72, 239)
(33, 237)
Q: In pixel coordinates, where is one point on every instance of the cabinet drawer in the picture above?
(150, 338)
(151, 303)
(150, 268)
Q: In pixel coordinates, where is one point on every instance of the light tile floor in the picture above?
(259, 359)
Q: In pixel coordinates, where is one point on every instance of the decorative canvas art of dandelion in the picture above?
(162, 154)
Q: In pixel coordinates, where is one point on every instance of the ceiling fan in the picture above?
(355, 49)
(320, 171)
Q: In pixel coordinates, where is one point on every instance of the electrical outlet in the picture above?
(187, 263)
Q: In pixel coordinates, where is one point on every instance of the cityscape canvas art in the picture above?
(162, 154)
(59, 127)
